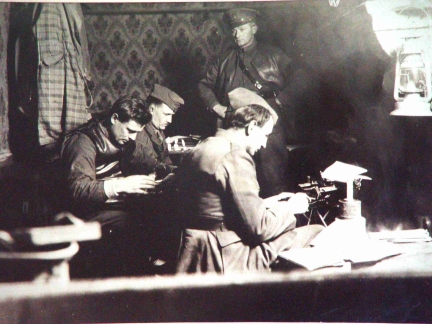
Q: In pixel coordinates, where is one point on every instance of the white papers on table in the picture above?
(320, 257)
(342, 232)
(313, 258)
(402, 236)
(370, 251)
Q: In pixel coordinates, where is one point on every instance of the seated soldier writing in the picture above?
(149, 155)
(227, 226)
(97, 188)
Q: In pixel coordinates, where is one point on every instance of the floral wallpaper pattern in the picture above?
(4, 124)
(131, 52)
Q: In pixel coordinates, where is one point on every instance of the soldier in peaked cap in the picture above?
(265, 70)
(240, 16)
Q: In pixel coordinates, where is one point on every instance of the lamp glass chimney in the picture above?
(412, 85)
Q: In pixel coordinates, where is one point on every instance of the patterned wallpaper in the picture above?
(131, 52)
(4, 124)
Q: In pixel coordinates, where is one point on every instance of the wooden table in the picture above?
(397, 289)
(415, 260)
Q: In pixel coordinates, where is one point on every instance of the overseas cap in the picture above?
(241, 97)
(168, 97)
(240, 16)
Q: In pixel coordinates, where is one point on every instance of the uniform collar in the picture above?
(251, 48)
(152, 128)
(231, 137)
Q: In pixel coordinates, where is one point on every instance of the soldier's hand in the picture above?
(299, 203)
(165, 183)
(220, 110)
(135, 184)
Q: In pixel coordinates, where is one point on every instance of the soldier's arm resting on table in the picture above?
(134, 184)
(80, 156)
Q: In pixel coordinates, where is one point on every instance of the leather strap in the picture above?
(265, 94)
(249, 75)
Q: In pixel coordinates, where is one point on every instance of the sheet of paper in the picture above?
(342, 231)
(402, 236)
(314, 258)
(370, 251)
(320, 257)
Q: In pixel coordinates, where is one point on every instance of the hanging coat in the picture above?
(63, 67)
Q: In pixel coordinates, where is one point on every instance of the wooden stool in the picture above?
(39, 266)
(41, 254)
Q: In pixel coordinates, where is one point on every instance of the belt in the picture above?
(268, 94)
(206, 225)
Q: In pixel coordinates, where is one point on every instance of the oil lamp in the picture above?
(412, 90)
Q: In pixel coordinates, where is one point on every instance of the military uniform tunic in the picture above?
(147, 152)
(273, 67)
(227, 225)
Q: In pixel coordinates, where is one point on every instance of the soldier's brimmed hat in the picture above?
(240, 16)
(241, 97)
(168, 97)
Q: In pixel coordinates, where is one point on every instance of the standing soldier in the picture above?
(263, 69)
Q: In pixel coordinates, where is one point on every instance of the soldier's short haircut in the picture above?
(244, 115)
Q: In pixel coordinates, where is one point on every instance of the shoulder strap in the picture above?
(267, 90)
(249, 75)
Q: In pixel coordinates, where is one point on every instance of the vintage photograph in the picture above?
(226, 161)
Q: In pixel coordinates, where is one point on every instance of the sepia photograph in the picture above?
(216, 161)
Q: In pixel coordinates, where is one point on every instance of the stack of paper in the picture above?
(320, 257)
(314, 258)
(402, 236)
(342, 232)
(370, 251)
